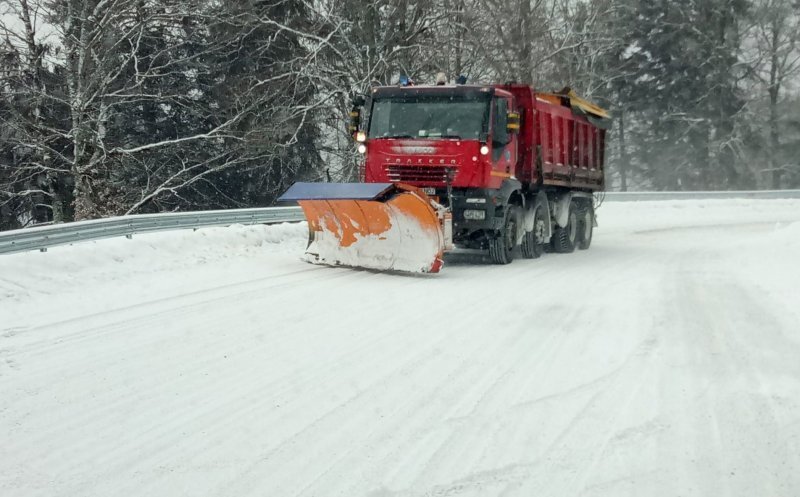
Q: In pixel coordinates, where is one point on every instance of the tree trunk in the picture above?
(524, 26)
(774, 140)
(458, 39)
(623, 154)
(774, 89)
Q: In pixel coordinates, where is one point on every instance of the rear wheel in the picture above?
(501, 246)
(565, 239)
(586, 228)
(533, 242)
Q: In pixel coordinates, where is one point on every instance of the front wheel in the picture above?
(501, 246)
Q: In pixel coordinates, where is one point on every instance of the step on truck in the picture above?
(502, 168)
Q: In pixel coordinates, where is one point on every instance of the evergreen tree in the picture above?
(683, 89)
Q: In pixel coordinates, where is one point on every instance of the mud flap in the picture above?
(384, 226)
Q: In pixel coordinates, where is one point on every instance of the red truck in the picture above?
(494, 167)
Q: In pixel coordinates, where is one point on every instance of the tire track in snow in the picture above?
(365, 275)
(734, 398)
(153, 309)
(420, 374)
(100, 415)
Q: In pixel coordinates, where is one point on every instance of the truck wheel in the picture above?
(501, 246)
(565, 239)
(586, 228)
(533, 242)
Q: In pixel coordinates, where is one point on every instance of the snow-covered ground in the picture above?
(663, 361)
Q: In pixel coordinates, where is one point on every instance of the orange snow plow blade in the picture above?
(384, 226)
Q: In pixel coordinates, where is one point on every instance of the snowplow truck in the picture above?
(501, 168)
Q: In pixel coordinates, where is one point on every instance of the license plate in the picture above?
(429, 191)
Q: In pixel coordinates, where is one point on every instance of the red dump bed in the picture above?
(559, 144)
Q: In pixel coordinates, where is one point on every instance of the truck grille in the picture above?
(429, 175)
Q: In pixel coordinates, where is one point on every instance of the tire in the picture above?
(586, 228)
(501, 246)
(565, 239)
(533, 243)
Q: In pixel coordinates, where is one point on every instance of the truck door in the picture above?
(504, 144)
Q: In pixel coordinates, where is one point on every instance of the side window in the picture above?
(500, 132)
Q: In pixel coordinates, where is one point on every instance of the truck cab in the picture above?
(432, 136)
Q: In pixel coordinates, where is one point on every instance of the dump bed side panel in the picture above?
(572, 148)
(558, 146)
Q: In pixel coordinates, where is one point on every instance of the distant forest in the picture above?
(112, 107)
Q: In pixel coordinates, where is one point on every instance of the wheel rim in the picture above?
(510, 232)
(588, 225)
(538, 227)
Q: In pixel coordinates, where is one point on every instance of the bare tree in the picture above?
(34, 171)
(776, 33)
(154, 102)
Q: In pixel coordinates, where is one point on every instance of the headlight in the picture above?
(362, 148)
(474, 215)
(361, 137)
(484, 150)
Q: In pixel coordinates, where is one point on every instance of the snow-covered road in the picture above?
(664, 361)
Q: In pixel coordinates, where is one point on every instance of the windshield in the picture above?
(429, 117)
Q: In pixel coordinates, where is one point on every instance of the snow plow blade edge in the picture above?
(383, 226)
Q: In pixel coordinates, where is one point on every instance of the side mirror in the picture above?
(355, 121)
(355, 115)
(513, 122)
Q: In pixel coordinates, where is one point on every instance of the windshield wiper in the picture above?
(396, 136)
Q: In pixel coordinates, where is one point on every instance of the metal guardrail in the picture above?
(44, 237)
(721, 195)
(41, 238)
